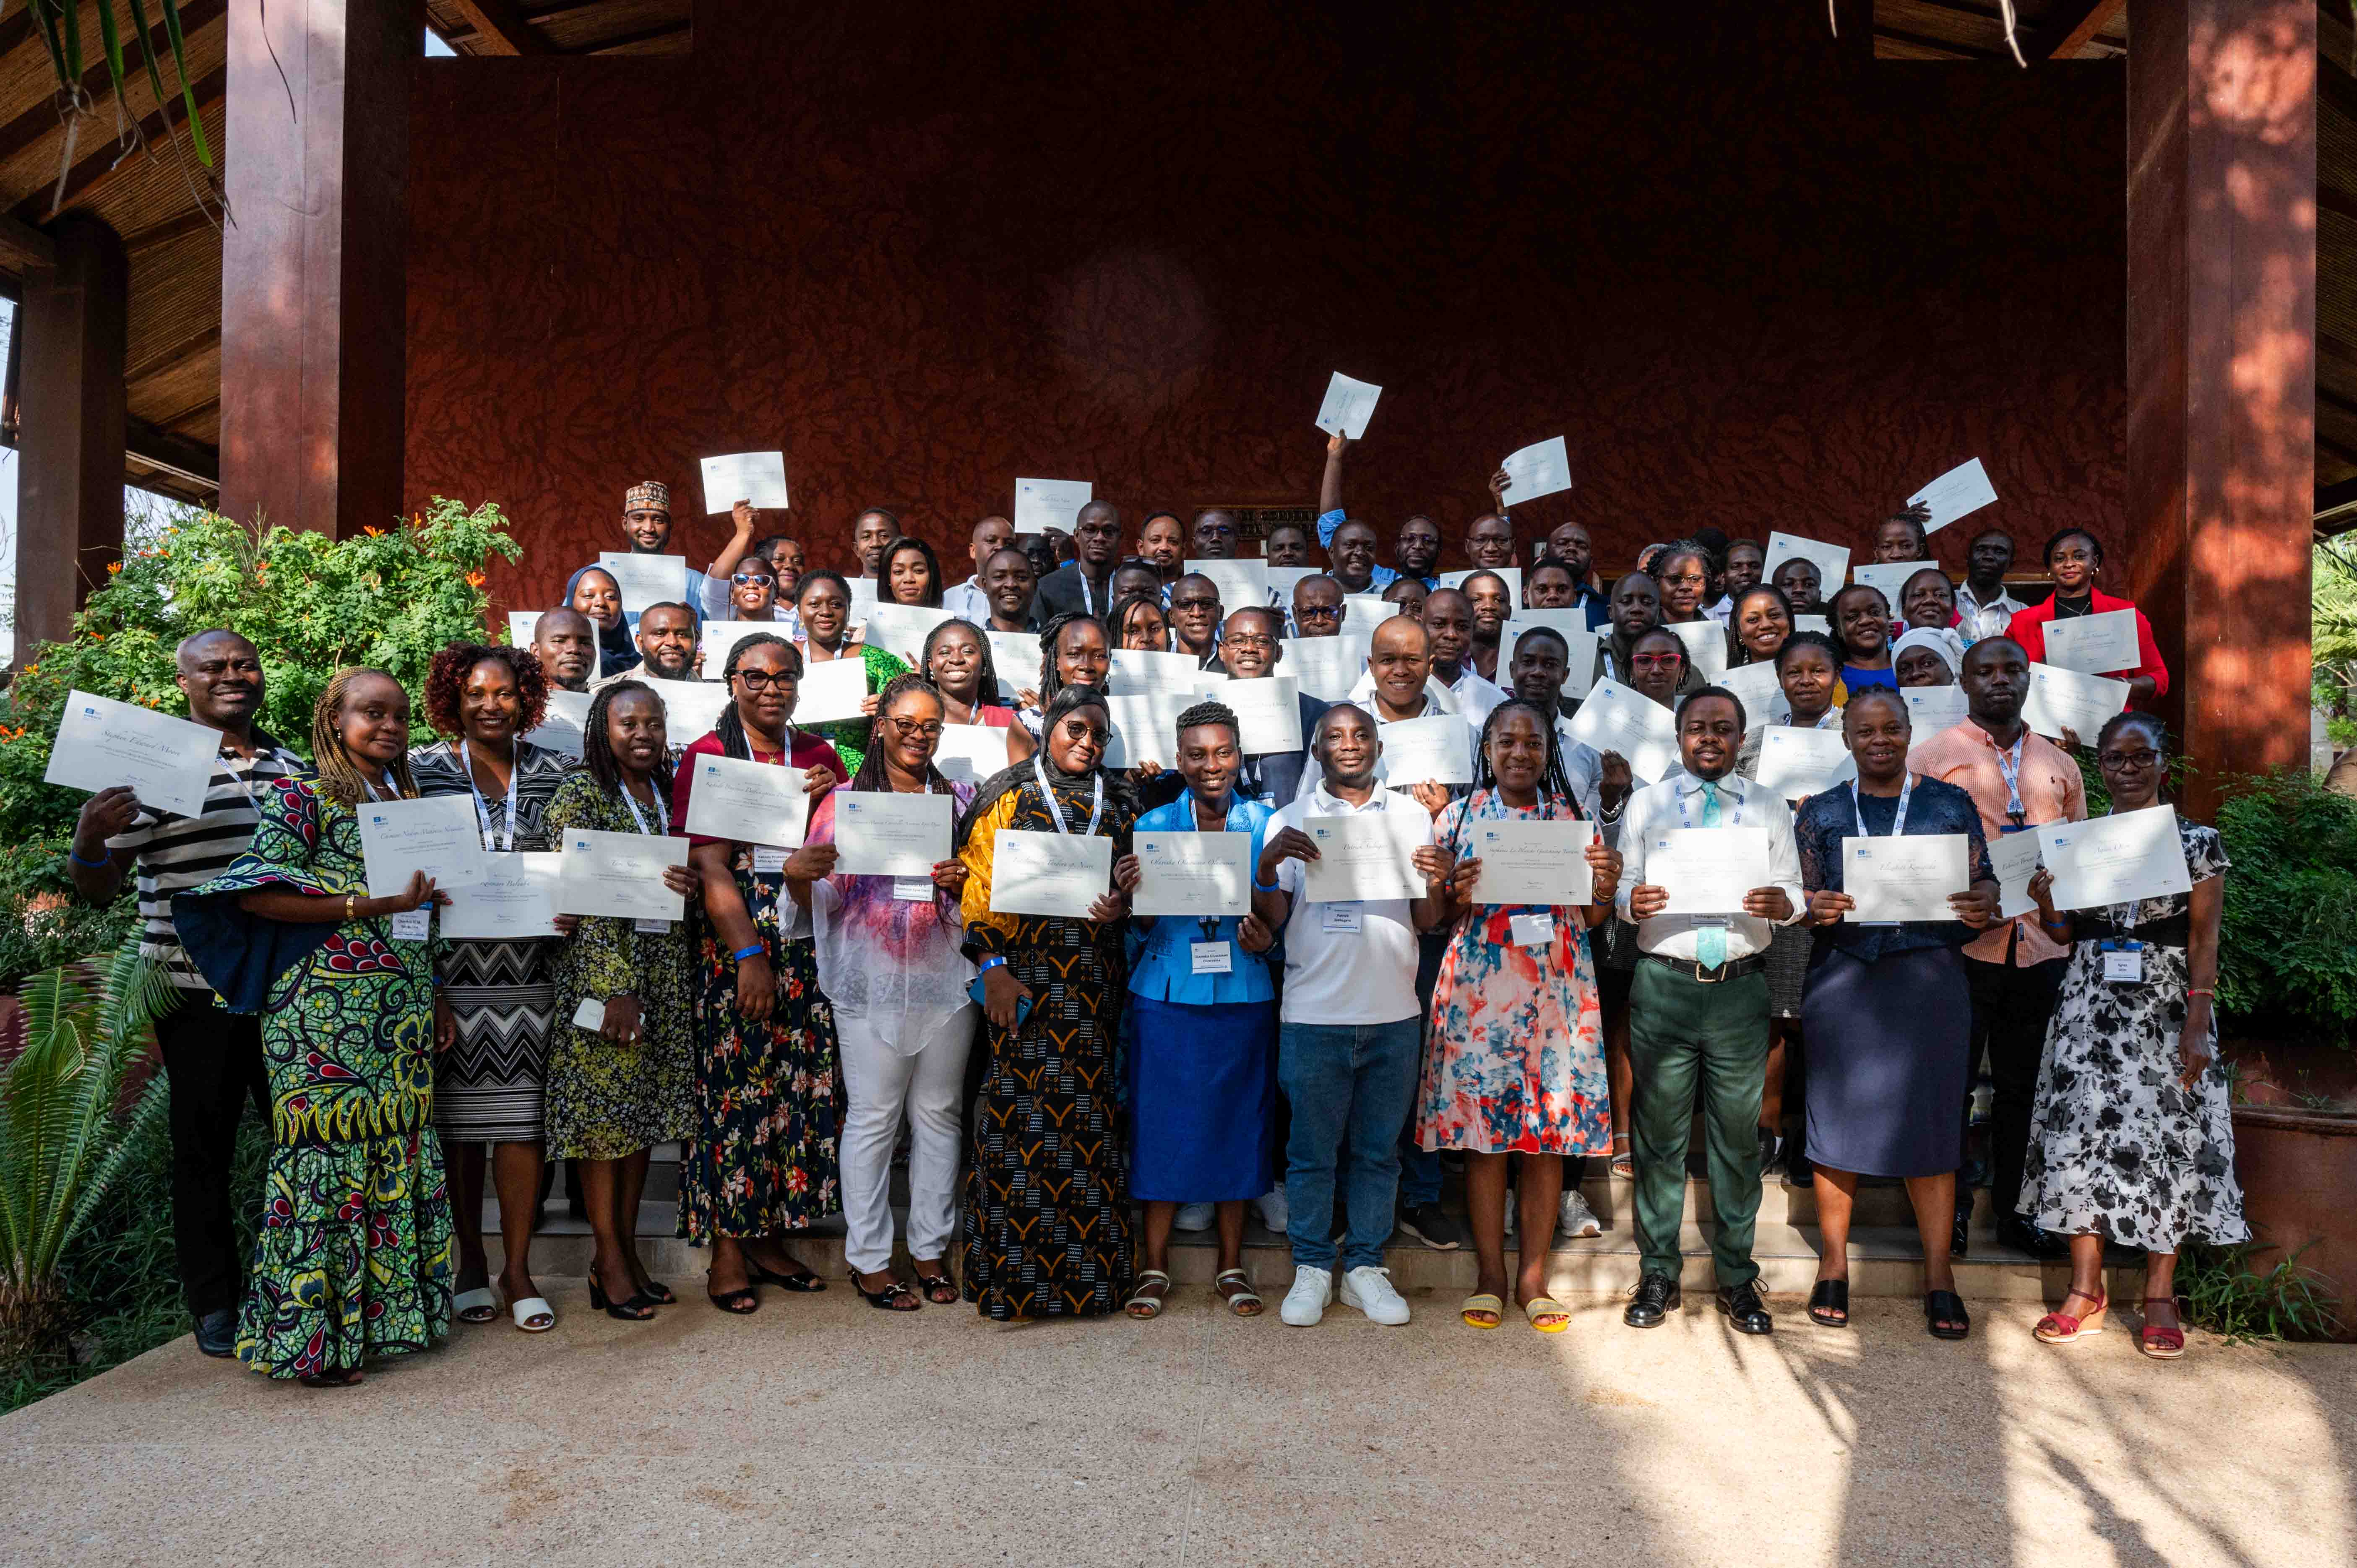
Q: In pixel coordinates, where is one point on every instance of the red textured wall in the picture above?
(1757, 281)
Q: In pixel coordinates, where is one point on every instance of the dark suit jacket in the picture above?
(1060, 594)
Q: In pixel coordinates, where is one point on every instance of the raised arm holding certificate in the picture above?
(1048, 872)
(1043, 504)
(1359, 857)
(1707, 870)
(1621, 718)
(756, 476)
(2060, 699)
(2093, 645)
(1203, 874)
(1533, 863)
(1542, 469)
(167, 762)
(516, 900)
(2118, 859)
(1349, 403)
(1904, 877)
(1962, 490)
(438, 836)
(1435, 749)
(885, 833)
(748, 803)
(645, 579)
(620, 876)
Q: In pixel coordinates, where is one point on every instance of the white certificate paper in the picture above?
(1145, 727)
(902, 629)
(1621, 718)
(1282, 580)
(2094, 645)
(971, 753)
(1048, 872)
(1931, 709)
(1242, 582)
(1535, 471)
(517, 899)
(2064, 697)
(1361, 613)
(1348, 404)
(1762, 695)
(1963, 490)
(1886, 578)
(1201, 875)
(1706, 641)
(692, 709)
(2015, 859)
(1706, 871)
(522, 626)
(618, 876)
(560, 725)
(1798, 763)
(1268, 708)
(437, 835)
(168, 762)
(1133, 670)
(1360, 857)
(834, 688)
(748, 803)
(721, 637)
(1435, 749)
(756, 476)
(885, 833)
(1533, 863)
(2118, 859)
(1905, 878)
(1832, 561)
(1579, 646)
(1822, 625)
(1016, 655)
(1043, 504)
(646, 579)
(1326, 667)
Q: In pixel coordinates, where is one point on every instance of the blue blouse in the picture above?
(1821, 825)
(1165, 970)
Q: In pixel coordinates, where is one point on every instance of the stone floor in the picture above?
(820, 1430)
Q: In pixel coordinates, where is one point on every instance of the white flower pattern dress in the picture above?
(2115, 1144)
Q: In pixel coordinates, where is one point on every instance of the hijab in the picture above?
(1942, 640)
(617, 649)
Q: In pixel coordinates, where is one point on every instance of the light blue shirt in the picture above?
(1165, 971)
(1382, 577)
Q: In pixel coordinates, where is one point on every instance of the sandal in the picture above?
(1244, 1301)
(1624, 1162)
(331, 1377)
(940, 1289)
(639, 1308)
(737, 1302)
(657, 1292)
(1829, 1304)
(1540, 1306)
(533, 1314)
(1146, 1302)
(1478, 1307)
(2061, 1328)
(477, 1306)
(801, 1282)
(889, 1298)
(1945, 1315)
(2158, 1340)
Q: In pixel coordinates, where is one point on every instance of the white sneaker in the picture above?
(1369, 1289)
(1513, 1203)
(1305, 1304)
(1272, 1209)
(1195, 1217)
(1573, 1216)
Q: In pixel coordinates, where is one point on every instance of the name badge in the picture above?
(1343, 917)
(412, 927)
(652, 928)
(590, 1015)
(914, 889)
(2124, 962)
(1532, 930)
(768, 862)
(1212, 958)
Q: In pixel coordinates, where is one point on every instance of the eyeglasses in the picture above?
(1657, 660)
(1687, 579)
(1250, 639)
(2145, 759)
(1318, 612)
(762, 679)
(909, 729)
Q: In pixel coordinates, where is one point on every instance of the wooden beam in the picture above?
(1941, 46)
(175, 455)
(2070, 26)
(42, 118)
(172, 354)
(2334, 496)
(500, 28)
(190, 223)
(630, 41)
(23, 248)
(92, 174)
(70, 443)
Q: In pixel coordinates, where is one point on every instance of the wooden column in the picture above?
(2222, 415)
(69, 441)
(314, 287)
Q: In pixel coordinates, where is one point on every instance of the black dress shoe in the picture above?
(1961, 1241)
(1744, 1309)
(1651, 1304)
(217, 1332)
(2026, 1236)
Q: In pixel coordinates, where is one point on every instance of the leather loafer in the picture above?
(1744, 1309)
(1651, 1304)
(2025, 1236)
(217, 1332)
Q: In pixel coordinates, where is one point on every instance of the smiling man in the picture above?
(647, 530)
(666, 639)
(566, 646)
(969, 600)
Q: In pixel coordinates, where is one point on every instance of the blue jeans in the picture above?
(1419, 1182)
(1353, 1082)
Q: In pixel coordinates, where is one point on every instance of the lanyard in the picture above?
(482, 811)
(1897, 823)
(1056, 808)
(1209, 923)
(662, 812)
(1089, 600)
(240, 776)
(1726, 791)
(2008, 763)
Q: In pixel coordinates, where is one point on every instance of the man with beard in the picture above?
(647, 530)
(667, 650)
(1085, 586)
(566, 646)
(1448, 616)
(1492, 605)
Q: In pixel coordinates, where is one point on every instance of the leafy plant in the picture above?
(42, 922)
(2287, 954)
(59, 23)
(2221, 1290)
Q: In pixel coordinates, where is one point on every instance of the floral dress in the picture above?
(1514, 1052)
(2116, 1145)
(353, 1256)
(607, 1101)
(849, 736)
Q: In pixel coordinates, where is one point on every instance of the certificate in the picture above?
(1201, 875)
(1240, 582)
(834, 688)
(863, 596)
(1579, 646)
(1822, 625)
(1762, 695)
(646, 579)
(1533, 863)
(1799, 763)
(1535, 471)
(516, 898)
(2064, 697)
(102, 742)
(1016, 655)
(2118, 859)
(1931, 709)
(1962, 489)
(437, 835)
(1832, 561)
(1360, 857)
(1513, 576)
(2015, 859)
(1621, 718)
(1282, 580)
(1905, 877)
(1048, 872)
(1348, 404)
(902, 630)
(748, 803)
(1361, 613)
(1435, 749)
(756, 476)
(971, 753)
(1886, 578)
(618, 876)
(2094, 645)
(885, 833)
(1326, 667)
(1145, 727)
(1268, 708)
(1706, 641)
(1043, 504)
(522, 626)
(692, 709)
(1706, 871)
(1133, 670)
(560, 726)
(721, 637)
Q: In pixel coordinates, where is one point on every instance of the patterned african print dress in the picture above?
(849, 736)
(604, 1099)
(1046, 1211)
(487, 1087)
(1514, 1058)
(353, 1257)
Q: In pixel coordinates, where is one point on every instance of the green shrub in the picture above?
(2287, 955)
(43, 923)
(2223, 1291)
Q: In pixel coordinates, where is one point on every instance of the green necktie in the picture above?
(1710, 942)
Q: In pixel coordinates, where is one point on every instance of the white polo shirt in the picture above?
(1366, 976)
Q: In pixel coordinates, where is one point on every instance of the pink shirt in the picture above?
(2051, 791)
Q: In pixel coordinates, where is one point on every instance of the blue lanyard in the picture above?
(1899, 824)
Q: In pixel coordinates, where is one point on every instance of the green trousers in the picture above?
(1690, 1040)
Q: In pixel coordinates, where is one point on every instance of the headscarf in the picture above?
(617, 649)
(1942, 640)
(1074, 791)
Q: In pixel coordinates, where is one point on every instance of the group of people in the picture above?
(1073, 1088)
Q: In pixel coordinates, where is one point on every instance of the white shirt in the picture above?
(1655, 809)
(1721, 611)
(1977, 620)
(1437, 700)
(967, 602)
(1366, 976)
(1474, 696)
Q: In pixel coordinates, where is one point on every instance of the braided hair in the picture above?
(731, 727)
(986, 688)
(1918, 518)
(598, 749)
(1834, 608)
(1052, 681)
(871, 775)
(1554, 778)
(339, 775)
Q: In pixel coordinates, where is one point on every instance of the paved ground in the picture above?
(821, 1431)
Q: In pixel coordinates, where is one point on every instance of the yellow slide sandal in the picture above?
(1474, 1308)
(1546, 1306)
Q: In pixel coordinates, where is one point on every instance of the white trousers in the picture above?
(881, 1086)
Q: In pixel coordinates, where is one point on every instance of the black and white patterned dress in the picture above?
(487, 1087)
(2115, 1144)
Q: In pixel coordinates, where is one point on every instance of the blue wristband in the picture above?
(99, 864)
(990, 963)
(741, 954)
(1266, 886)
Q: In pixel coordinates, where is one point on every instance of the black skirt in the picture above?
(1888, 1044)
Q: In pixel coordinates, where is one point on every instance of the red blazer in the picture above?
(2028, 627)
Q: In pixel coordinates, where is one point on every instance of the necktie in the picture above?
(1710, 942)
